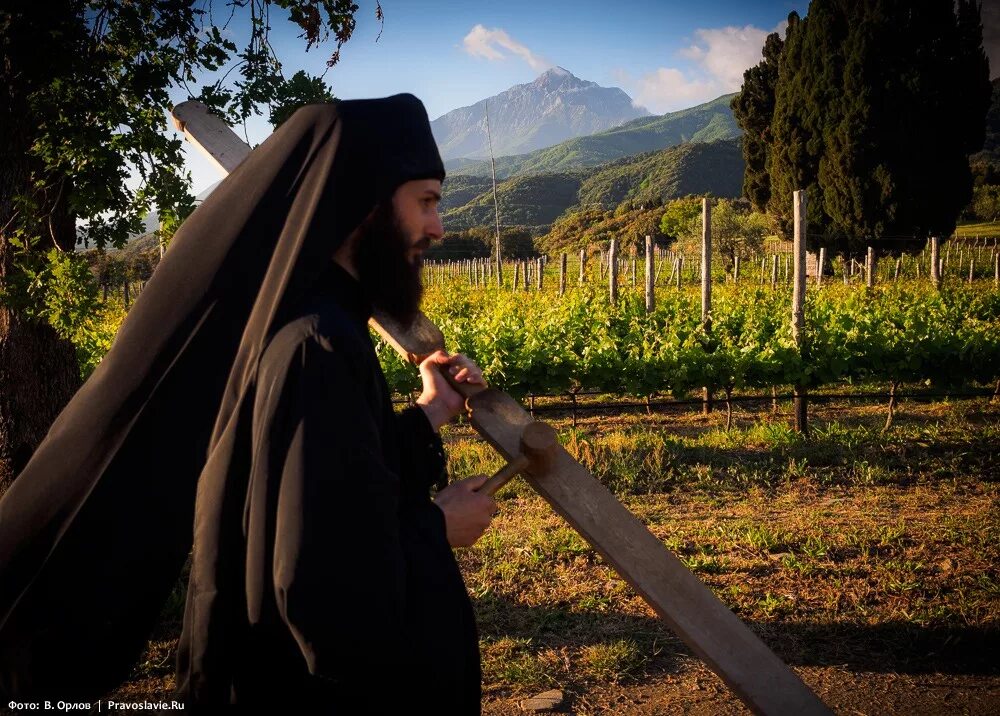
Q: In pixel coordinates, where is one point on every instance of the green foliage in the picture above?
(645, 180)
(476, 242)
(714, 169)
(986, 202)
(678, 214)
(526, 201)
(800, 101)
(736, 231)
(753, 110)
(571, 231)
(61, 289)
(860, 86)
(459, 189)
(629, 223)
(517, 242)
(530, 342)
(297, 92)
(86, 113)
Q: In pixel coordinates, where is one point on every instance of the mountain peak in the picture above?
(555, 107)
(557, 71)
(557, 76)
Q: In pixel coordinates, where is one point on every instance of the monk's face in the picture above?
(415, 205)
(388, 253)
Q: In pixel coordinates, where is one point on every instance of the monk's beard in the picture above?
(392, 283)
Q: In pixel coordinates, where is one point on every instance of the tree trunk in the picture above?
(892, 406)
(38, 370)
(38, 376)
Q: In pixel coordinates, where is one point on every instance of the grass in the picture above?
(860, 549)
(853, 530)
(986, 228)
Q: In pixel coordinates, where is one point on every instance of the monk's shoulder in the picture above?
(325, 333)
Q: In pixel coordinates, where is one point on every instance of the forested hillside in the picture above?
(707, 122)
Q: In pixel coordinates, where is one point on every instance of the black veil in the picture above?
(96, 528)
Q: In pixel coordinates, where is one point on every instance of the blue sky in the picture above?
(452, 54)
(666, 55)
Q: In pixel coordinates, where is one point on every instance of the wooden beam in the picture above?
(211, 135)
(705, 624)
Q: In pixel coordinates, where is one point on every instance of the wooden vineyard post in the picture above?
(706, 288)
(736, 269)
(774, 271)
(680, 267)
(650, 291)
(899, 265)
(517, 269)
(799, 304)
(583, 265)
(870, 267)
(996, 269)
(972, 264)
(539, 274)
(562, 274)
(935, 263)
(613, 271)
(633, 270)
(712, 631)
(159, 240)
(820, 264)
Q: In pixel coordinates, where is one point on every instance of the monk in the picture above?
(242, 411)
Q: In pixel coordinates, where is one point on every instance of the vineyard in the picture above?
(550, 342)
(542, 343)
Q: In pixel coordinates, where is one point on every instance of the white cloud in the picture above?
(492, 44)
(718, 58)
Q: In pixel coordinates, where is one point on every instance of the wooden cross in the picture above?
(753, 672)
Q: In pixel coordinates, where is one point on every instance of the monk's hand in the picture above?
(439, 400)
(467, 513)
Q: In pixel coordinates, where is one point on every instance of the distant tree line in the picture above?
(516, 242)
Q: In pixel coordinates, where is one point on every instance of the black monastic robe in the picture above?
(320, 572)
(353, 598)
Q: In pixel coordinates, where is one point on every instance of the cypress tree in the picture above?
(916, 90)
(877, 107)
(753, 109)
(973, 67)
(810, 77)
